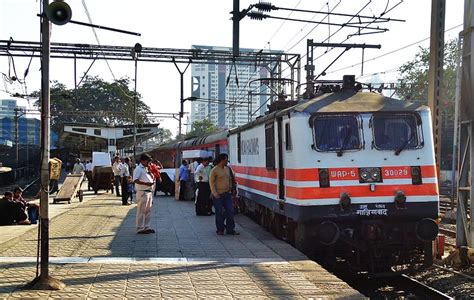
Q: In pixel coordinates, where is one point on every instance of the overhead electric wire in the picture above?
(309, 32)
(365, 27)
(340, 14)
(391, 52)
(283, 23)
(334, 33)
(99, 45)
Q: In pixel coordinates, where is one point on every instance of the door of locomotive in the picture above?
(281, 170)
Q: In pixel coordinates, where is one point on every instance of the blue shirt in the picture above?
(183, 173)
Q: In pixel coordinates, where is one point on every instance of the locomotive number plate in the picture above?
(396, 172)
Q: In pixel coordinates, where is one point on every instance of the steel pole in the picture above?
(16, 138)
(181, 110)
(44, 281)
(435, 73)
(135, 111)
(235, 28)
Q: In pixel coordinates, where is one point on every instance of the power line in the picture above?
(391, 52)
(281, 25)
(315, 26)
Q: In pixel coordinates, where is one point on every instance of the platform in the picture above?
(94, 250)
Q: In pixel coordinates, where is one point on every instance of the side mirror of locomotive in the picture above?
(59, 12)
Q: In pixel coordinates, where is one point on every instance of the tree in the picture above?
(201, 127)
(414, 78)
(414, 87)
(163, 136)
(95, 95)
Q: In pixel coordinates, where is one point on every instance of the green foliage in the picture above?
(95, 95)
(164, 135)
(414, 78)
(201, 127)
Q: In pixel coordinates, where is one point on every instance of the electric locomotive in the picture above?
(348, 175)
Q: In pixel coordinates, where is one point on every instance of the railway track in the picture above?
(397, 287)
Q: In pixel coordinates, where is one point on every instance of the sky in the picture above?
(183, 23)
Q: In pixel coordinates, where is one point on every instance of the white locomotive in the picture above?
(347, 175)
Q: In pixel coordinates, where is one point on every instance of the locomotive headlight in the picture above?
(323, 178)
(375, 174)
(370, 175)
(364, 174)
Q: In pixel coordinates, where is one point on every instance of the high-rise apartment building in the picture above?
(227, 94)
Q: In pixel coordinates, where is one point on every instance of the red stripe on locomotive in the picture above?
(305, 193)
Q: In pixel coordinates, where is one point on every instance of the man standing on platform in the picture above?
(116, 169)
(203, 201)
(78, 167)
(183, 178)
(221, 183)
(124, 174)
(144, 182)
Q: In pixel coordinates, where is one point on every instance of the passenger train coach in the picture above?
(348, 175)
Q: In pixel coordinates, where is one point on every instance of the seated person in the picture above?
(7, 207)
(12, 212)
(31, 209)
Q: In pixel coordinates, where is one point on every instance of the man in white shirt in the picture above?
(144, 182)
(116, 169)
(203, 200)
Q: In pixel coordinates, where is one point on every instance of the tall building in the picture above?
(221, 91)
(28, 128)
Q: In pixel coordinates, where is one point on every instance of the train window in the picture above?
(337, 133)
(289, 146)
(269, 146)
(395, 132)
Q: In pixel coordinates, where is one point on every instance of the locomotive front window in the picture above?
(395, 132)
(337, 133)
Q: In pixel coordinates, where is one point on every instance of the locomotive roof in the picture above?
(346, 101)
(350, 101)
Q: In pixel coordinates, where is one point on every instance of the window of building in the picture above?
(97, 131)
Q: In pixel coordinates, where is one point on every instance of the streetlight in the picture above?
(136, 50)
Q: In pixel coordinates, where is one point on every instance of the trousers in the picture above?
(125, 190)
(144, 204)
(117, 182)
(224, 212)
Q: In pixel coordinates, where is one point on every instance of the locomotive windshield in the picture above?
(395, 132)
(337, 133)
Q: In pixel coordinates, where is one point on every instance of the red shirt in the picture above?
(155, 171)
